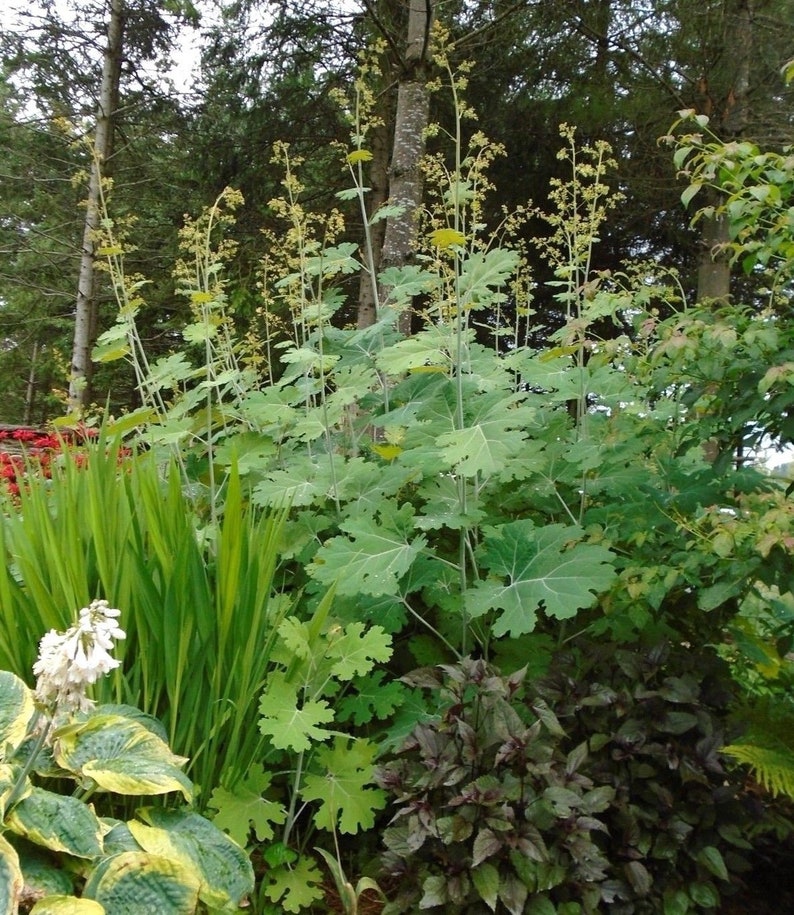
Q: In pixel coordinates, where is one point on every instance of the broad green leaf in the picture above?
(119, 839)
(705, 895)
(371, 699)
(486, 845)
(562, 800)
(348, 800)
(134, 882)
(67, 905)
(199, 332)
(110, 352)
(513, 893)
(689, 193)
(434, 892)
(305, 483)
(246, 807)
(58, 822)
(482, 449)
(170, 372)
(482, 273)
(16, 710)
(387, 211)
(495, 432)
(296, 887)
(43, 872)
(539, 905)
(485, 878)
(558, 377)
(405, 283)
(333, 260)
(121, 755)
(431, 347)
(639, 877)
(356, 651)
(225, 871)
(532, 567)
(290, 723)
(442, 505)
(11, 881)
(296, 637)
(676, 902)
(247, 451)
(711, 858)
(373, 556)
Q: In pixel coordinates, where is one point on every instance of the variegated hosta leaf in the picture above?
(67, 905)
(57, 822)
(10, 879)
(121, 755)
(16, 710)
(44, 874)
(8, 780)
(220, 863)
(134, 882)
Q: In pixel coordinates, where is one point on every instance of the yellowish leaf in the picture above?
(387, 452)
(359, 155)
(446, 238)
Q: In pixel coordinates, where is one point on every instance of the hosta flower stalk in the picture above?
(70, 662)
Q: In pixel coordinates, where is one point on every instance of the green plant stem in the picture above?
(293, 801)
(19, 785)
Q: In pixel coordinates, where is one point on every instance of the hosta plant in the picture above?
(57, 854)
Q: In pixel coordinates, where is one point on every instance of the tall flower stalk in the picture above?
(68, 663)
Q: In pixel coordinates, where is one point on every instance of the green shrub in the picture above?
(599, 785)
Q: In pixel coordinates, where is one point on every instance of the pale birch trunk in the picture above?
(86, 304)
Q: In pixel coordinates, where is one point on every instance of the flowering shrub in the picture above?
(25, 448)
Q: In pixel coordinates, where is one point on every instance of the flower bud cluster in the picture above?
(71, 661)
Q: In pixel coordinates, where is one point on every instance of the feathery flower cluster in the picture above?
(69, 662)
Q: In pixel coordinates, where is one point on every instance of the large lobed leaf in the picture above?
(246, 806)
(290, 723)
(344, 786)
(532, 567)
(373, 556)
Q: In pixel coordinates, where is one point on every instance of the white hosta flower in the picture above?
(69, 662)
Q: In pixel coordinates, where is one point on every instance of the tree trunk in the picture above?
(30, 386)
(714, 272)
(86, 305)
(379, 184)
(410, 123)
